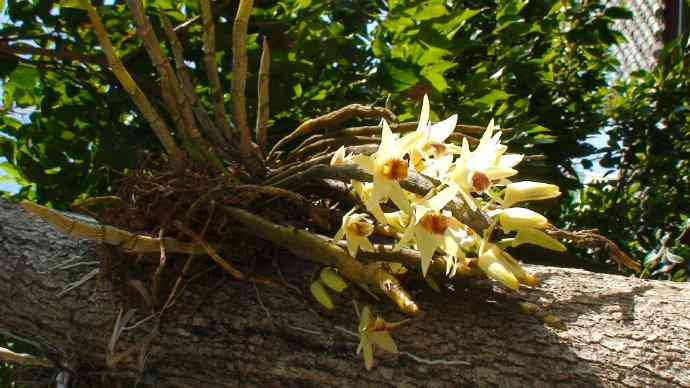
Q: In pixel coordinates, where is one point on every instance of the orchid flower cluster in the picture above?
(478, 179)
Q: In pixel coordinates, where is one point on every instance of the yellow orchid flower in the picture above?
(374, 331)
(356, 229)
(432, 139)
(475, 171)
(388, 168)
(431, 229)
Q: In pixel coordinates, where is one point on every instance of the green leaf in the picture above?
(401, 74)
(455, 24)
(491, 97)
(429, 11)
(437, 81)
(78, 4)
(24, 76)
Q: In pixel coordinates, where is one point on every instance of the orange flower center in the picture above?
(394, 169)
(480, 181)
(436, 149)
(434, 222)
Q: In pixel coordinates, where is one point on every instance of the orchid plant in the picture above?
(478, 178)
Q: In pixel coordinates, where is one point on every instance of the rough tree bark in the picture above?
(620, 331)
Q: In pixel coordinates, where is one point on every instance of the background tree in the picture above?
(539, 69)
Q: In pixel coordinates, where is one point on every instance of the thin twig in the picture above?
(592, 239)
(263, 98)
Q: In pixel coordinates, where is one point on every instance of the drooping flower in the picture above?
(499, 265)
(356, 229)
(529, 191)
(374, 331)
(388, 168)
(431, 229)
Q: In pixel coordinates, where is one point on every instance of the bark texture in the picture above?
(619, 331)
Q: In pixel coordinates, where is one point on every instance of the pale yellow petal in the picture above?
(383, 340)
(519, 218)
(427, 245)
(366, 162)
(368, 353)
(440, 131)
(364, 318)
(424, 114)
(341, 232)
(440, 200)
(352, 245)
(408, 141)
(366, 245)
(374, 207)
(398, 197)
(338, 156)
(510, 160)
(537, 237)
(387, 146)
(486, 137)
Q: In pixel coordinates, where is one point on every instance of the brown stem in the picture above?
(319, 249)
(592, 239)
(209, 38)
(148, 111)
(248, 150)
(187, 123)
(333, 118)
(187, 84)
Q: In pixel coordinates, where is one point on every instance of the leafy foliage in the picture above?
(647, 207)
(548, 62)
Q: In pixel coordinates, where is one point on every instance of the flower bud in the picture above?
(520, 218)
(495, 267)
(537, 237)
(319, 293)
(529, 191)
(333, 280)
